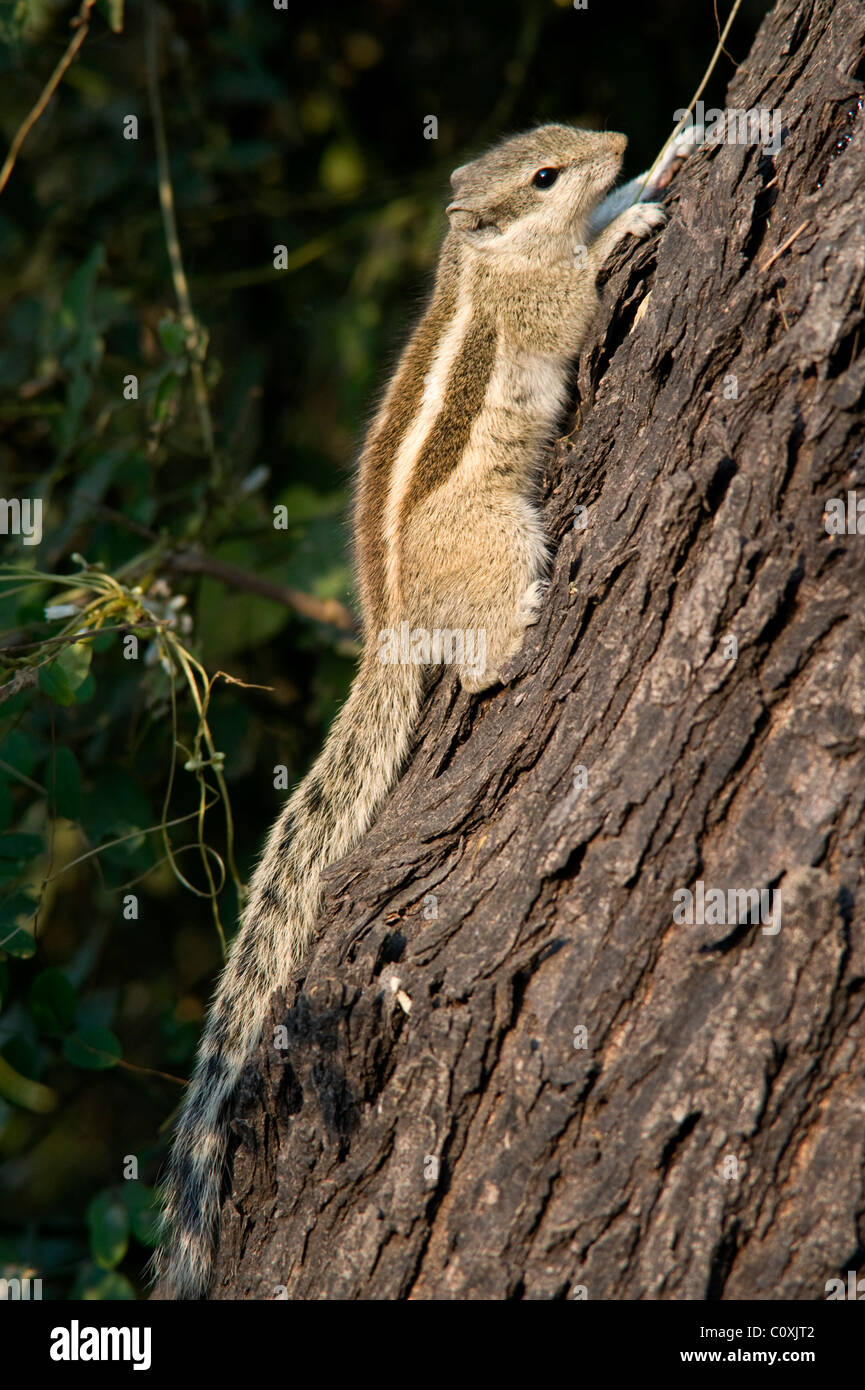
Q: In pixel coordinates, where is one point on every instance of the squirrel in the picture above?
(448, 536)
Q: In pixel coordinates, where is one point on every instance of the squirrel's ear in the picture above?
(462, 217)
(471, 222)
(462, 208)
(469, 211)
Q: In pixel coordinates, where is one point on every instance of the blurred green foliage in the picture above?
(302, 129)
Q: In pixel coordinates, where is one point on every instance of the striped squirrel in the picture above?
(448, 537)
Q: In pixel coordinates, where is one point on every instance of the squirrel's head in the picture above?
(530, 196)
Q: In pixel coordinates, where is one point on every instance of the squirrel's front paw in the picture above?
(641, 219)
(684, 144)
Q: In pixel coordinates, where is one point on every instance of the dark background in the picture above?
(303, 128)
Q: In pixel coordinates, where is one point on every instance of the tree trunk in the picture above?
(513, 1070)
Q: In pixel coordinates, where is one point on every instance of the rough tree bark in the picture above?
(432, 1130)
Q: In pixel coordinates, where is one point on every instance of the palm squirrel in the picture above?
(449, 538)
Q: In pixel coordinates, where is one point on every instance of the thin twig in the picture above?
(297, 259)
(120, 839)
(22, 777)
(129, 1066)
(82, 637)
(206, 850)
(172, 241)
(128, 522)
(699, 92)
(21, 680)
(718, 27)
(783, 315)
(786, 246)
(82, 23)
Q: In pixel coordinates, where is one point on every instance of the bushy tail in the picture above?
(324, 818)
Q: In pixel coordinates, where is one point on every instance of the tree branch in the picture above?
(323, 610)
(82, 23)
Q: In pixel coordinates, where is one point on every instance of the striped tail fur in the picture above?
(324, 818)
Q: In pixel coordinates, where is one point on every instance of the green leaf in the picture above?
(18, 942)
(23, 1091)
(51, 1000)
(96, 1284)
(21, 846)
(53, 682)
(113, 11)
(5, 984)
(108, 1221)
(144, 1213)
(75, 663)
(172, 336)
(86, 689)
(16, 924)
(77, 305)
(113, 805)
(165, 393)
(67, 784)
(62, 677)
(229, 622)
(303, 503)
(22, 751)
(93, 1049)
(25, 1056)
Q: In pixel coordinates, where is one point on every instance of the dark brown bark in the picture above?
(451, 1037)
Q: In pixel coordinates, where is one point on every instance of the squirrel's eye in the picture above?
(545, 178)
